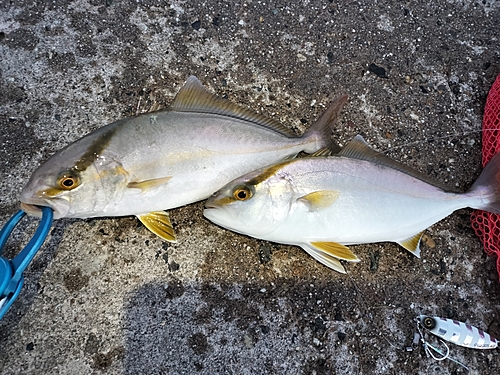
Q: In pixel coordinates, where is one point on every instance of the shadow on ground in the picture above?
(296, 327)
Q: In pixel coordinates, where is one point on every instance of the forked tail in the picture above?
(322, 128)
(488, 185)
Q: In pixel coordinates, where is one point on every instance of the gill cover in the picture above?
(261, 201)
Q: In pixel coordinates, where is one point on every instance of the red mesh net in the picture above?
(485, 224)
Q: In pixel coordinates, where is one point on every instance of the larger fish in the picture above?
(161, 160)
(360, 196)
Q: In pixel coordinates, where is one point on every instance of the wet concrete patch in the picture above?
(74, 280)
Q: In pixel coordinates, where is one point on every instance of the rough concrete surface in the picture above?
(105, 296)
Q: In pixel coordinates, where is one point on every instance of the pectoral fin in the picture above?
(336, 250)
(412, 244)
(159, 223)
(325, 259)
(319, 199)
(147, 185)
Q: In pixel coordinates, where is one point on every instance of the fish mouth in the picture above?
(209, 205)
(59, 206)
(31, 209)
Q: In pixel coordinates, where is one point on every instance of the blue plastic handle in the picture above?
(11, 271)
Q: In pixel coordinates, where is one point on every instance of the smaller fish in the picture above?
(323, 203)
(457, 332)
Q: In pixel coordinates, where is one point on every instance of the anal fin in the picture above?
(324, 259)
(159, 223)
(336, 250)
(412, 244)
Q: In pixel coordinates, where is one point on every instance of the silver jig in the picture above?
(428, 347)
(457, 332)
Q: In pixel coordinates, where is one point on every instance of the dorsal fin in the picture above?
(194, 97)
(359, 149)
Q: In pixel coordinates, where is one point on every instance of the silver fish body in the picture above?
(161, 160)
(325, 203)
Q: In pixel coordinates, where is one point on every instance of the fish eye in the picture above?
(68, 181)
(242, 193)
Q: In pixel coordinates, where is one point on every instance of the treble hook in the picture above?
(428, 347)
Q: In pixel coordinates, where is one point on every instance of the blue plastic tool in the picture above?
(11, 271)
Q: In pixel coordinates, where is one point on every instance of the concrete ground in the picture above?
(105, 296)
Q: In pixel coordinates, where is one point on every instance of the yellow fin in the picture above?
(319, 199)
(336, 250)
(412, 244)
(159, 223)
(194, 97)
(324, 259)
(149, 184)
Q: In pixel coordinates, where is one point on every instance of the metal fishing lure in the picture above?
(457, 332)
